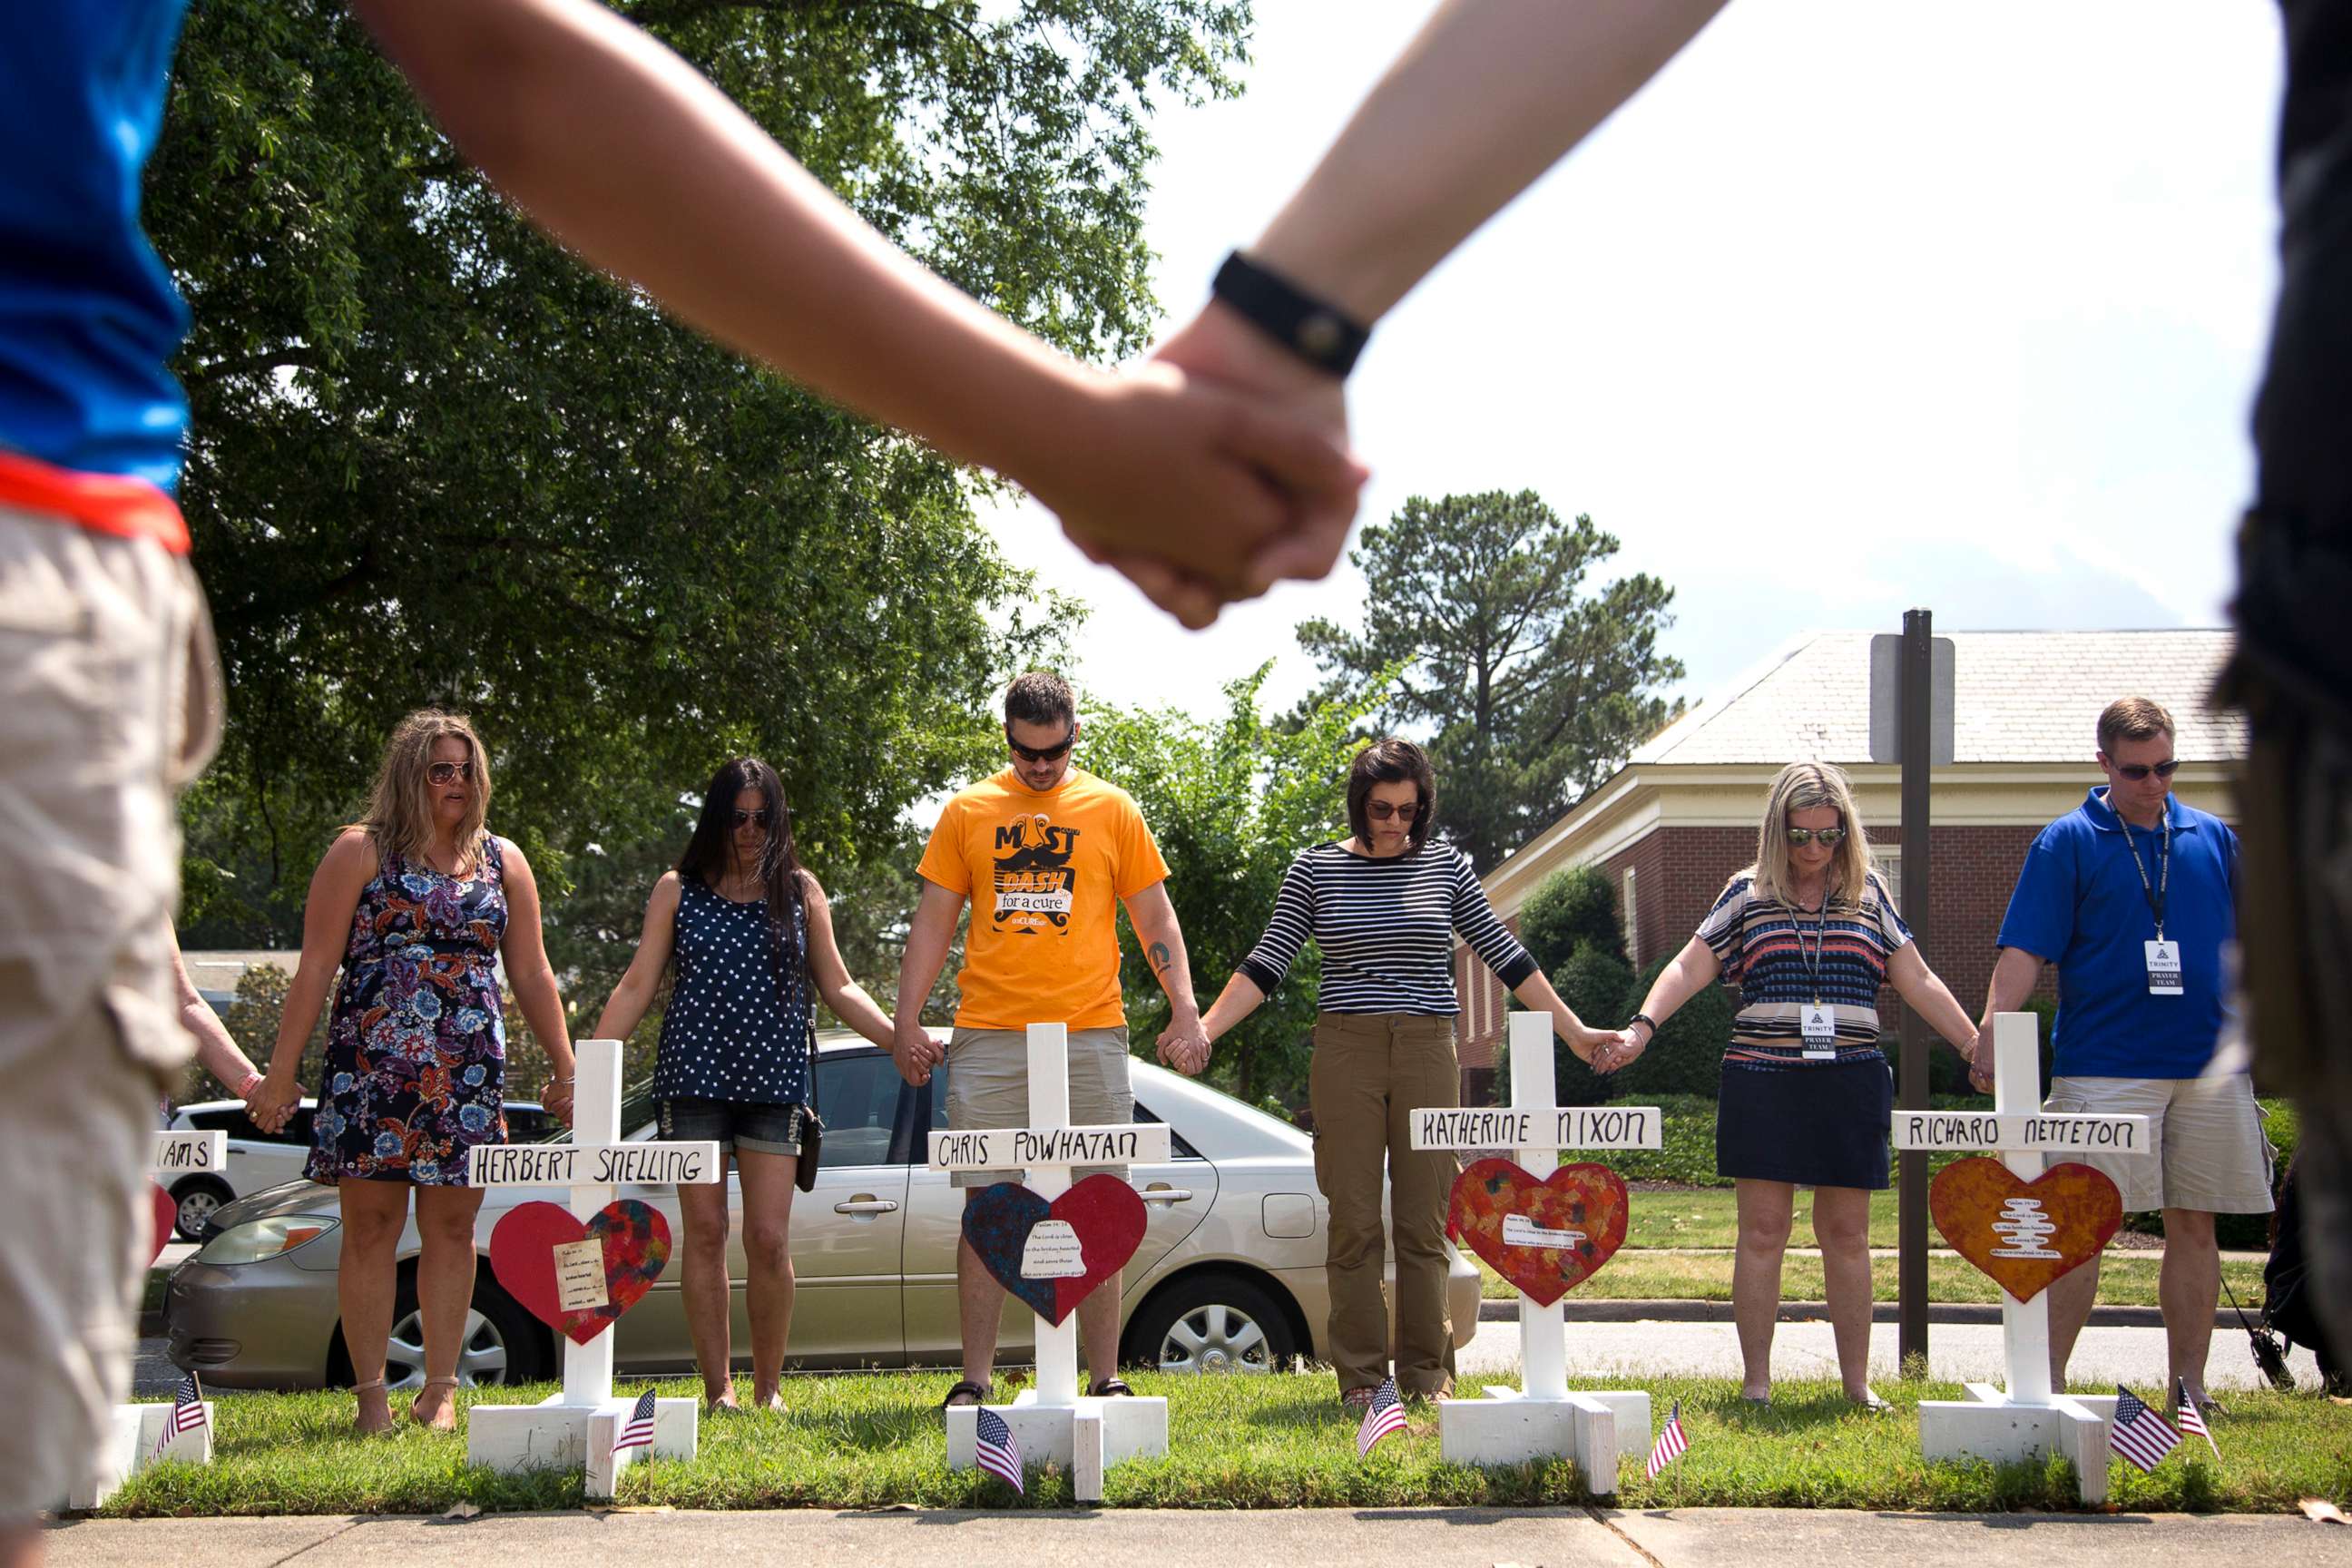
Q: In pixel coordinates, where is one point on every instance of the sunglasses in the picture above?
(1824, 835)
(1044, 754)
(1381, 810)
(2135, 772)
(751, 818)
(449, 772)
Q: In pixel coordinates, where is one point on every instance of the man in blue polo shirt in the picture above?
(2132, 895)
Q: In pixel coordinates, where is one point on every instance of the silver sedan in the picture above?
(1229, 1277)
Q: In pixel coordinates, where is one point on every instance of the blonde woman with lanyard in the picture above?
(1810, 933)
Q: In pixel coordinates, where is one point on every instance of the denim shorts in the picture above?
(761, 1128)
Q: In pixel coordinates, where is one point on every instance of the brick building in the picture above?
(1674, 823)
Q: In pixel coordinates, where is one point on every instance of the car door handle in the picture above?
(1167, 1195)
(868, 1205)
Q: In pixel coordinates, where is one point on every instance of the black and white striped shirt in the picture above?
(1386, 928)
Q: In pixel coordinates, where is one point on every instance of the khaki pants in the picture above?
(1370, 1072)
(108, 704)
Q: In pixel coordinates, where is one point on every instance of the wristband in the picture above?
(1321, 334)
(251, 1081)
(1645, 1018)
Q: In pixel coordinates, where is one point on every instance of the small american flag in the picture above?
(187, 1413)
(2188, 1418)
(1383, 1417)
(2141, 1435)
(998, 1450)
(1672, 1444)
(637, 1431)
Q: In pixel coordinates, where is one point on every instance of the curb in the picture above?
(1670, 1311)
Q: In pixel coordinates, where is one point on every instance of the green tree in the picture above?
(1231, 803)
(1685, 1056)
(1531, 690)
(434, 458)
(1592, 980)
(1572, 908)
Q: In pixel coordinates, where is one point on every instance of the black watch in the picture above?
(1645, 1018)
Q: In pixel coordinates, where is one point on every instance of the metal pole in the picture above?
(1917, 686)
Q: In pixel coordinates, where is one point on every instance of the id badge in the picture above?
(2163, 968)
(1819, 1028)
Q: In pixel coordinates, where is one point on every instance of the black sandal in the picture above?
(979, 1392)
(1110, 1388)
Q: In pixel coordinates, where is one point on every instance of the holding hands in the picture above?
(271, 1104)
(1184, 1045)
(1615, 1048)
(913, 1050)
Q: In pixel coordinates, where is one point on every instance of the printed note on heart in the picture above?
(578, 1278)
(2024, 1234)
(1546, 1236)
(1053, 1255)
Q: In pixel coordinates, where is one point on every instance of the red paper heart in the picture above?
(2024, 1234)
(1585, 1203)
(167, 1215)
(635, 1243)
(1104, 1212)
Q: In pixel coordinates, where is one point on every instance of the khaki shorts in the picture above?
(2207, 1151)
(109, 702)
(988, 1088)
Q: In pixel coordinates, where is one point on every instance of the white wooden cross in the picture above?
(580, 1426)
(2028, 1419)
(1543, 1416)
(1052, 1421)
(142, 1434)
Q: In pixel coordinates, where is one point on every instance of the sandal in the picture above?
(1110, 1388)
(450, 1406)
(359, 1388)
(979, 1392)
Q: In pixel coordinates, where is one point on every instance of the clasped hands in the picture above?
(1207, 473)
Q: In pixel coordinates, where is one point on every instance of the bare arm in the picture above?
(2014, 975)
(622, 151)
(847, 999)
(215, 1051)
(532, 978)
(1920, 986)
(625, 1008)
(1238, 1000)
(928, 933)
(1181, 1045)
(334, 897)
(1690, 972)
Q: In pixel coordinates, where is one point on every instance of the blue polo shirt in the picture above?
(88, 319)
(2081, 905)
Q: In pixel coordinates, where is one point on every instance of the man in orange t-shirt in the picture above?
(1046, 853)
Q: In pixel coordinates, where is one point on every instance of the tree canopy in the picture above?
(436, 459)
(1529, 688)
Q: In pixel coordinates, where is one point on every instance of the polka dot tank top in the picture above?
(731, 1032)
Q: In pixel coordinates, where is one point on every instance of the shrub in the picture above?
(1571, 909)
(1686, 1055)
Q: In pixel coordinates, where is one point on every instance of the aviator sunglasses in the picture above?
(2135, 772)
(751, 818)
(1045, 754)
(447, 773)
(1826, 835)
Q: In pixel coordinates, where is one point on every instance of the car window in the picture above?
(239, 1125)
(858, 1098)
(1178, 1148)
(216, 1120)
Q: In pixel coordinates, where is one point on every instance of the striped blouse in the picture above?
(1782, 959)
(1386, 929)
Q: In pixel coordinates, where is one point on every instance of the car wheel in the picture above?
(501, 1343)
(1211, 1323)
(199, 1197)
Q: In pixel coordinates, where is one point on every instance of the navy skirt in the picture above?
(1817, 1124)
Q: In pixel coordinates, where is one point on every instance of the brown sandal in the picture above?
(979, 1392)
(1110, 1388)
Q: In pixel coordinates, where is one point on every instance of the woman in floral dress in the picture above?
(418, 904)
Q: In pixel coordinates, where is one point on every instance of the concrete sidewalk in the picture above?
(1427, 1538)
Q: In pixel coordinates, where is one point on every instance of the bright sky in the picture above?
(1858, 306)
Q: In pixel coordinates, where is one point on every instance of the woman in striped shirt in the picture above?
(1384, 907)
(1810, 933)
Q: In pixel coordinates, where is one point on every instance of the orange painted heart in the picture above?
(628, 1248)
(2024, 1234)
(1544, 1237)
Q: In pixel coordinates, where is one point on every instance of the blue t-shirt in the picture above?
(2079, 904)
(88, 318)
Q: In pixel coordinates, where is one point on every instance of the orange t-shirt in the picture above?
(1045, 874)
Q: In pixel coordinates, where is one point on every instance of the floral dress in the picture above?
(417, 1048)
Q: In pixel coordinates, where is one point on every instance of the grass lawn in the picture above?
(2124, 1280)
(871, 1440)
(1709, 1217)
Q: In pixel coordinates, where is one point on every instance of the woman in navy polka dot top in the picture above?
(753, 938)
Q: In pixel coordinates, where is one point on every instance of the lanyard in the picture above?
(1820, 945)
(2155, 894)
